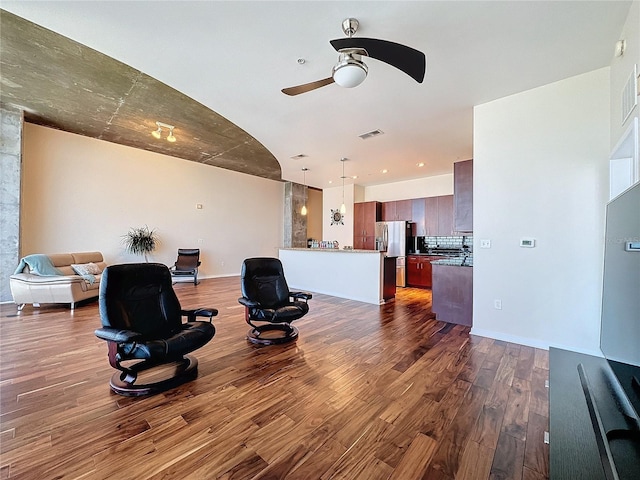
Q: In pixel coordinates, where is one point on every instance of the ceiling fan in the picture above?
(350, 71)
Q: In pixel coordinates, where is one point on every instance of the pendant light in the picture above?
(343, 207)
(303, 211)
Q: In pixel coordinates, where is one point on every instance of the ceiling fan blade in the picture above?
(411, 61)
(307, 87)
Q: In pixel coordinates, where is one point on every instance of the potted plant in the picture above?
(140, 241)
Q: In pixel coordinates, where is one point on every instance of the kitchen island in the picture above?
(362, 275)
(452, 291)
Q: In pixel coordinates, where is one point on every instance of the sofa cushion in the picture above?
(86, 268)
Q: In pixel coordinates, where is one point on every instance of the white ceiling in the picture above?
(235, 57)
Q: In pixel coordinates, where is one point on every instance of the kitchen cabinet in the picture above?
(397, 210)
(438, 216)
(365, 216)
(417, 217)
(403, 210)
(463, 196)
(432, 216)
(452, 294)
(419, 270)
(445, 215)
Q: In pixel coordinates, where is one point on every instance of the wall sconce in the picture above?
(158, 133)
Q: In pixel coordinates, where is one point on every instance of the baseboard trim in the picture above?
(531, 342)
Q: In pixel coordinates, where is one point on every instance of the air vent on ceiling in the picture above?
(299, 156)
(372, 133)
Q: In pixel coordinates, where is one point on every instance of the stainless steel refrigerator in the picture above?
(391, 238)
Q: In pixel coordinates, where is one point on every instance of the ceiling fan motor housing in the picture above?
(350, 71)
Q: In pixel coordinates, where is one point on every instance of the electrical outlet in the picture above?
(485, 243)
(222, 263)
(200, 241)
(497, 304)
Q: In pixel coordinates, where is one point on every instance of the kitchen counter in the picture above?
(455, 262)
(330, 250)
(362, 275)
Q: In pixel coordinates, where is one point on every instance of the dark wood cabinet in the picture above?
(438, 216)
(388, 211)
(418, 217)
(419, 270)
(403, 210)
(414, 277)
(452, 299)
(365, 216)
(445, 215)
(463, 196)
(431, 215)
(397, 210)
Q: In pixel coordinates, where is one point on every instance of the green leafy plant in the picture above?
(140, 241)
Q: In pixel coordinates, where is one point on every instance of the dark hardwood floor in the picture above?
(367, 392)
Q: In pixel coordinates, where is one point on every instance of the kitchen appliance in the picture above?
(392, 238)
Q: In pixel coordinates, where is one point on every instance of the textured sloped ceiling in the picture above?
(62, 84)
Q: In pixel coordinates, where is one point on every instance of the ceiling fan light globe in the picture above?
(350, 73)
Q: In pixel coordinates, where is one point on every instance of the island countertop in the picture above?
(332, 250)
(455, 262)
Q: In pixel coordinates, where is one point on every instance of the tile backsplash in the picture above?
(450, 242)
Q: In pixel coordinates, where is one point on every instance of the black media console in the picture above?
(592, 430)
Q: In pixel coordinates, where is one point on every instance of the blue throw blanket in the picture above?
(39, 264)
(89, 278)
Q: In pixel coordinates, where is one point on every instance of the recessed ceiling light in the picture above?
(421, 164)
(330, 181)
(354, 177)
(384, 171)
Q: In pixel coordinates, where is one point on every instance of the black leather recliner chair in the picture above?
(267, 299)
(142, 320)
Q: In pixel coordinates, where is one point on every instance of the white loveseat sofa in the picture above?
(28, 287)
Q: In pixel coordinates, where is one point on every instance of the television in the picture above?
(615, 414)
(620, 319)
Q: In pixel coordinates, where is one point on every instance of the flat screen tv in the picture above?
(620, 321)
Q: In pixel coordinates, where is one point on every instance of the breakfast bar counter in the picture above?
(362, 275)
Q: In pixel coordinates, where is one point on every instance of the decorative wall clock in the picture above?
(336, 217)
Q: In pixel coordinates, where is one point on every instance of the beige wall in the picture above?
(540, 170)
(418, 188)
(82, 194)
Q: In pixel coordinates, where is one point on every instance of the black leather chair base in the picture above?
(168, 376)
(273, 334)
